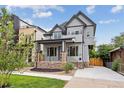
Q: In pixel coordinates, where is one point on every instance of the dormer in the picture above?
(74, 26)
(56, 32)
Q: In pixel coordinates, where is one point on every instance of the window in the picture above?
(73, 51)
(51, 51)
(76, 32)
(57, 35)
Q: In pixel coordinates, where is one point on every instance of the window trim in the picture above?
(73, 51)
(58, 34)
(49, 50)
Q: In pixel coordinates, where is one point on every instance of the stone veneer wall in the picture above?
(59, 65)
(51, 65)
(63, 57)
(81, 65)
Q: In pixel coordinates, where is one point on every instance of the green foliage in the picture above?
(118, 40)
(93, 53)
(68, 67)
(115, 64)
(12, 55)
(103, 51)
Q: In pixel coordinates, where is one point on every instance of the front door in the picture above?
(59, 52)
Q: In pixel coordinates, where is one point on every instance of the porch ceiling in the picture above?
(52, 41)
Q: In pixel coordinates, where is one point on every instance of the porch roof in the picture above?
(54, 41)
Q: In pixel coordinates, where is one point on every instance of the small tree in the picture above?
(12, 55)
(68, 67)
(93, 53)
(103, 51)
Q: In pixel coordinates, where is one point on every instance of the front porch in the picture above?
(57, 52)
(54, 50)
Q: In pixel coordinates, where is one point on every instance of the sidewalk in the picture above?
(62, 77)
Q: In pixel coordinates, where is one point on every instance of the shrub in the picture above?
(68, 67)
(115, 64)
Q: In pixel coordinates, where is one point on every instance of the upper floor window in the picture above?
(76, 32)
(57, 35)
(73, 32)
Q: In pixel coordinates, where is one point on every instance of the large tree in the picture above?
(12, 55)
(118, 40)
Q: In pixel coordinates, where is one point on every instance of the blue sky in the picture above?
(109, 19)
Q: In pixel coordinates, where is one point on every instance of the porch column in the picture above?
(63, 46)
(86, 55)
(63, 54)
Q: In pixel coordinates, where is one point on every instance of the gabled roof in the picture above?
(64, 25)
(81, 13)
(28, 23)
(55, 28)
(74, 16)
(39, 28)
(21, 20)
(116, 49)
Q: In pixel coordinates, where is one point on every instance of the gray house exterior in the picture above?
(69, 41)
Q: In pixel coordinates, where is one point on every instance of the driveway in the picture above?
(96, 77)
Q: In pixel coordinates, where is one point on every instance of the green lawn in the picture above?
(19, 81)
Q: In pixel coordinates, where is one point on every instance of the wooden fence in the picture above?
(96, 62)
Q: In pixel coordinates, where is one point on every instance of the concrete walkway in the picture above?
(62, 77)
(97, 77)
(93, 83)
(101, 73)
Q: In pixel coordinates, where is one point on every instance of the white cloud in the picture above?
(90, 9)
(41, 14)
(28, 20)
(117, 9)
(39, 10)
(108, 21)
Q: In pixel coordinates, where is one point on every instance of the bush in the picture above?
(68, 67)
(115, 64)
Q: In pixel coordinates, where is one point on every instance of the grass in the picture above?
(19, 81)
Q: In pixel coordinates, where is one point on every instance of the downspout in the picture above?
(83, 44)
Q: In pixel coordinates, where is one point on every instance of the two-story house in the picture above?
(28, 33)
(69, 41)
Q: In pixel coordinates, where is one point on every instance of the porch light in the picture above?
(73, 40)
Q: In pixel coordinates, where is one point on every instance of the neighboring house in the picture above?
(29, 34)
(23, 28)
(19, 24)
(69, 41)
(117, 53)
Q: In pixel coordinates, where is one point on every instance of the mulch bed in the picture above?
(46, 70)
